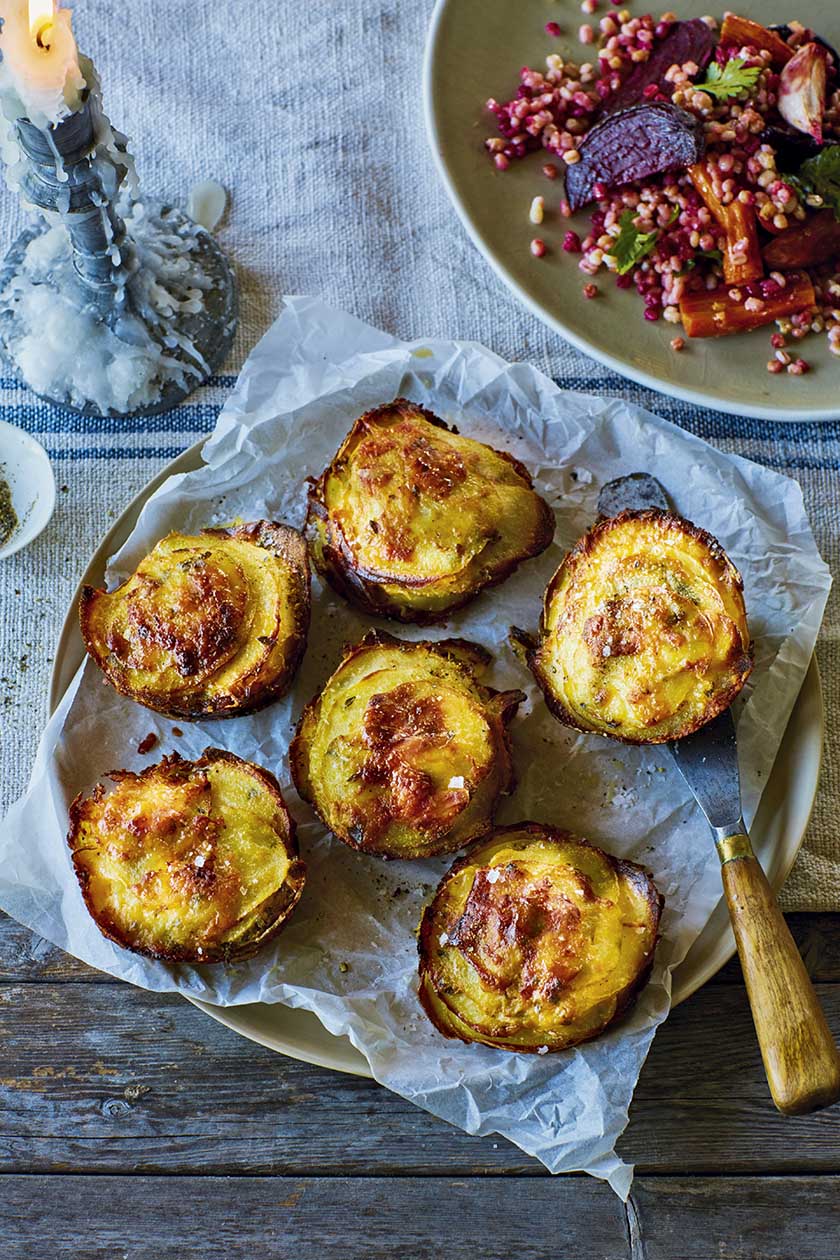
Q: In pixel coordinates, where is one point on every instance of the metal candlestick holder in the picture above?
(63, 179)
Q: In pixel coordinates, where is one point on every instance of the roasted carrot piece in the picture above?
(714, 313)
(742, 32)
(742, 255)
(699, 175)
(806, 245)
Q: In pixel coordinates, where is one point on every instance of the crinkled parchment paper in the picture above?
(349, 951)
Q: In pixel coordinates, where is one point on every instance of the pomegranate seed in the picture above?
(590, 290)
(537, 247)
(571, 243)
(550, 171)
(553, 28)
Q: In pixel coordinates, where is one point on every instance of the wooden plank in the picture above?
(147, 1218)
(730, 1218)
(102, 1078)
(26, 958)
(419, 1218)
(818, 938)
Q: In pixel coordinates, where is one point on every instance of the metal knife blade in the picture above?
(707, 760)
(632, 493)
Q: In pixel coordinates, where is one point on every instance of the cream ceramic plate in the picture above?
(475, 50)
(777, 833)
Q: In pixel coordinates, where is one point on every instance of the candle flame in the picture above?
(41, 18)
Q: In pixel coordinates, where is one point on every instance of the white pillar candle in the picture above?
(40, 78)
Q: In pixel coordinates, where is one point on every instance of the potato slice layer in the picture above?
(188, 861)
(411, 519)
(536, 941)
(212, 625)
(644, 633)
(404, 753)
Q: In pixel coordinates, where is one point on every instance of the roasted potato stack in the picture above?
(644, 633)
(403, 753)
(411, 520)
(188, 861)
(207, 626)
(536, 941)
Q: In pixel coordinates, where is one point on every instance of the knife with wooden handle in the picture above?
(800, 1056)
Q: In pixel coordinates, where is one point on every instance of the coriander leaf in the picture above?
(820, 176)
(725, 81)
(711, 255)
(631, 245)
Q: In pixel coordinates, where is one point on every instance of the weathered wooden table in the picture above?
(131, 1126)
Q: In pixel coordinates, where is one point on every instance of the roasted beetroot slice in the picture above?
(640, 141)
(792, 147)
(686, 41)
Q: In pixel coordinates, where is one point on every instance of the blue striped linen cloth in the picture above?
(318, 133)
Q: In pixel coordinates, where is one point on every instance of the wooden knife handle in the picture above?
(799, 1053)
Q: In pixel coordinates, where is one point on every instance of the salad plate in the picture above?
(474, 53)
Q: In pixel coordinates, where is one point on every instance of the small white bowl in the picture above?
(25, 465)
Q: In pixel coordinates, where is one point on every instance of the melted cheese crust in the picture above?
(536, 941)
(403, 753)
(644, 633)
(214, 624)
(411, 520)
(188, 861)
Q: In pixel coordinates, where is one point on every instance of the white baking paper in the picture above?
(349, 953)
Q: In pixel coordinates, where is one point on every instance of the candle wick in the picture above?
(41, 37)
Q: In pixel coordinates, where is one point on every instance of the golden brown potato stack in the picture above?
(212, 625)
(411, 520)
(644, 632)
(188, 861)
(404, 753)
(536, 941)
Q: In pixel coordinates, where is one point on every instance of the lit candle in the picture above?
(40, 78)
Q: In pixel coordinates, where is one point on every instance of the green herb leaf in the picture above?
(722, 82)
(820, 176)
(711, 255)
(631, 245)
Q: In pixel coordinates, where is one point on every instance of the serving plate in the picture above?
(777, 832)
(475, 50)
